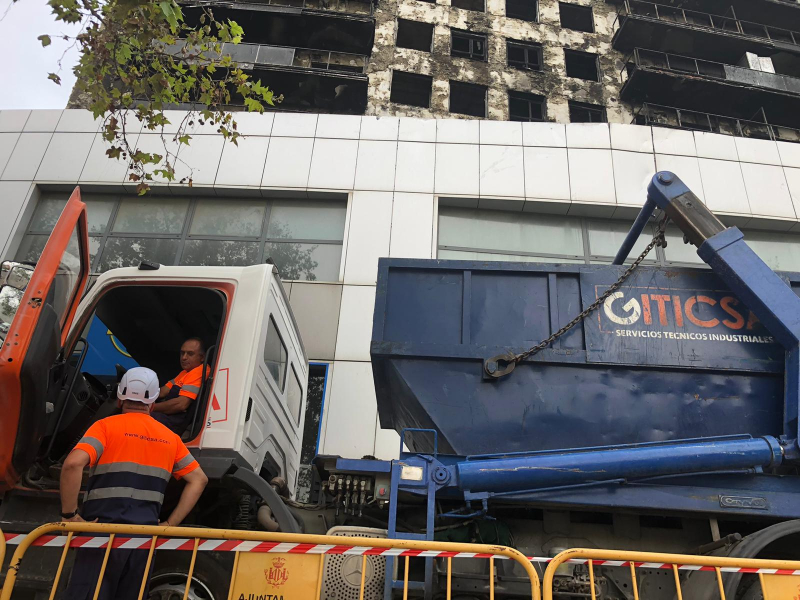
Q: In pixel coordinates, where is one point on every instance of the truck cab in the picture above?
(65, 348)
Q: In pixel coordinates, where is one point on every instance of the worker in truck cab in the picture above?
(178, 394)
(133, 458)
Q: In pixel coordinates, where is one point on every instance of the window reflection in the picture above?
(151, 215)
(238, 218)
(304, 238)
(310, 262)
(129, 252)
(220, 253)
(510, 232)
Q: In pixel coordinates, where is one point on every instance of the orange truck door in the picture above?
(35, 338)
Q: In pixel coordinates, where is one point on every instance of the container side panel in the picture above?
(498, 295)
(424, 306)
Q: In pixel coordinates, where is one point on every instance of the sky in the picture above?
(25, 68)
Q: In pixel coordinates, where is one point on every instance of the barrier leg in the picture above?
(405, 580)
(449, 576)
(719, 583)
(634, 584)
(146, 575)
(103, 567)
(60, 566)
(491, 578)
(363, 577)
(677, 581)
(191, 569)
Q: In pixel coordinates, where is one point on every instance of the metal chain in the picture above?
(658, 240)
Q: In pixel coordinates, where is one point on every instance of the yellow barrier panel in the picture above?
(779, 587)
(304, 562)
(2, 548)
(773, 586)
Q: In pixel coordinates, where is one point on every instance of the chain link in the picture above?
(658, 240)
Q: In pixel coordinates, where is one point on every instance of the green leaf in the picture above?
(169, 14)
(128, 61)
(253, 105)
(236, 31)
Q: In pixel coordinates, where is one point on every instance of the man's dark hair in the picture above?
(199, 341)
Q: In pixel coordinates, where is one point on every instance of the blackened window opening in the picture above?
(527, 10)
(523, 55)
(526, 107)
(467, 99)
(468, 45)
(582, 65)
(579, 18)
(411, 89)
(475, 5)
(580, 112)
(414, 35)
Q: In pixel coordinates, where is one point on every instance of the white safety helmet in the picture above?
(139, 384)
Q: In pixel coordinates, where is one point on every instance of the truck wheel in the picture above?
(210, 579)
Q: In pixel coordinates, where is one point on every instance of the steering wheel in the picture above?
(97, 386)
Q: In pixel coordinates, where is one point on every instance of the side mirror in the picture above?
(14, 278)
(14, 274)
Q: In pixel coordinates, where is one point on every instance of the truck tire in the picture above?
(754, 592)
(210, 579)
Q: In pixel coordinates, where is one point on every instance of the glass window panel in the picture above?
(47, 212)
(235, 218)
(220, 253)
(780, 251)
(294, 396)
(302, 220)
(129, 252)
(9, 303)
(606, 237)
(677, 251)
(94, 247)
(510, 231)
(151, 215)
(67, 276)
(461, 255)
(98, 212)
(32, 245)
(275, 355)
(310, 262)
(30, 249)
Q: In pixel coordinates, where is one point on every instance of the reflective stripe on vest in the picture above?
(125, 492)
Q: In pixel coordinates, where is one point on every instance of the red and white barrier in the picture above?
(143, 543)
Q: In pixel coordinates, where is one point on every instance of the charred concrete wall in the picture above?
(552, 82)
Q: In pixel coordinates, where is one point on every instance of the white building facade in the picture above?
(325, 196)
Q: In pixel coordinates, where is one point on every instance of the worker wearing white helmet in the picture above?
(133, 457)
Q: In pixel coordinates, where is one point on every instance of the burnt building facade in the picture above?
(726, 66)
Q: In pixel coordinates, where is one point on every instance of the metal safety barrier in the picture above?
(247, 545)
(770, 572)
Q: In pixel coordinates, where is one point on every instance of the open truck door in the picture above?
(37, 308)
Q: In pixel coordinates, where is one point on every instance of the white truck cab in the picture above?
(246, 424)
